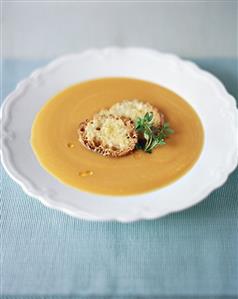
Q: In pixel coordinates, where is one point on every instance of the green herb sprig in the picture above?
(149, 136)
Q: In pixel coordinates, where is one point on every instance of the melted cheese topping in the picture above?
(134, 109)
(109, 130)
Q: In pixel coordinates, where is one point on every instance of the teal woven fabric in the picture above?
(191, 254)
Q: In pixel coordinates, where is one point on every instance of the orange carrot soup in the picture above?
(55, 142)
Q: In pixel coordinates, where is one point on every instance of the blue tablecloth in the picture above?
(46, 254)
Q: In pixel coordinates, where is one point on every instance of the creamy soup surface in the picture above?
(55, 142)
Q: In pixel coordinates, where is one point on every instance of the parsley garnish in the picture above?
(149, 136)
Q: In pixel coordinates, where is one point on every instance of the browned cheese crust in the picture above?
(99, 146)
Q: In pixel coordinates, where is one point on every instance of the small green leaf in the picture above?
(148, 116)
(140, 124)
(162, 142)
(169, 131)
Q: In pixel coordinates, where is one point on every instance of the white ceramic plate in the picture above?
(203, 91)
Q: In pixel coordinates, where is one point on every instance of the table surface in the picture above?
(191, 254)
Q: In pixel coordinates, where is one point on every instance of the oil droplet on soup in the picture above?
(70, 145)
(85, 173)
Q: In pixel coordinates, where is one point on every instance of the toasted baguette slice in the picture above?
(134, 109)
(108, 135)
